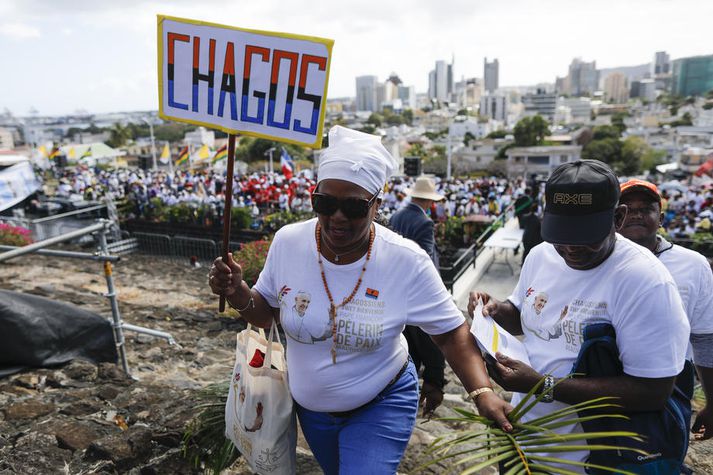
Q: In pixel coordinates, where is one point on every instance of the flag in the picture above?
(287, 165)
(220, 154)
(165, 154)
(56, 152)
(203, 153)
(706, 168)
(71, 153)
(182, 156)
(87, 153)
(42, 150)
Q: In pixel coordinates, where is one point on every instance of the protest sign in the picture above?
(257, 83)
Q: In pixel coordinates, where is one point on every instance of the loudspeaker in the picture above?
(412, 166)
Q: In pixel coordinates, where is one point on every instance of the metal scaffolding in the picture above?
(100, 229)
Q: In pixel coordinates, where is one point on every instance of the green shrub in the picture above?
(240, 218)
(273, 222)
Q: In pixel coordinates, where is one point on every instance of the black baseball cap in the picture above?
(580, 198)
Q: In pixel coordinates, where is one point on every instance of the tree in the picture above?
(374, 119)
(607, 150)
(531, 131)
(417, 150)
(257, 150)
(651, 159)
(617, 121)
(394, 119)
(119, 135)
(436, 162)
(171, 132)
(496, 134)
(407, 115)
(605, 132)
(632, 150)
(585, 137)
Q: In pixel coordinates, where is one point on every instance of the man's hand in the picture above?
(513, 375)
(431, 397)
(495, 408)
(703, 426)
(490, 305)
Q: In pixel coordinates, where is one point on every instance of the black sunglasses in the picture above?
(353, 208)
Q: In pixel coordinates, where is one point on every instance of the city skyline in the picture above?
(60, 57)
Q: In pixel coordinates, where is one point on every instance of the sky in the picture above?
(61, 56)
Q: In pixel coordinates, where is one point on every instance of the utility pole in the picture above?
(269, 151)
(448, 170)
(153, 144)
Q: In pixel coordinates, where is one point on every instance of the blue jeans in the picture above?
(373, 439)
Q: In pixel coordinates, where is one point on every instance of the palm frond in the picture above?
(204, 441)
(530, 447)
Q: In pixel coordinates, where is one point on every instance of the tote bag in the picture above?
(259, 412)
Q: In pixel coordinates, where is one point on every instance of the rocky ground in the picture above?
(83, 418)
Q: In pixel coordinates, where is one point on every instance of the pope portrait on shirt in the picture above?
(303, 327)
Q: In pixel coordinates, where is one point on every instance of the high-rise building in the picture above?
(494, 106)
(391, 87)
(468, 92)
(440, 82)
(647, 90)
(542, 103)
(693, 75)
(579, 108)
(491, 73)
(407, 94)
(366, 91)
(616, 88)
(661, 64)
(583, 77)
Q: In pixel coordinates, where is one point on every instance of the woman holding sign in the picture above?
(343, 287)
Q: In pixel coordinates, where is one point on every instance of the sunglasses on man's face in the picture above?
(353, 208)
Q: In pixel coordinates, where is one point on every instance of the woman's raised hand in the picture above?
(225, 279)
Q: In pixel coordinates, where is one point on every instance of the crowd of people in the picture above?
(269, 192)
(688, 209)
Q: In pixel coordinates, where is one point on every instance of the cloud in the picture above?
(19, 31)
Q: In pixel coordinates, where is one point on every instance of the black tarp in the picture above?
(38, 332)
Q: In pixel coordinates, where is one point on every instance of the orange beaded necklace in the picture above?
(333, 308)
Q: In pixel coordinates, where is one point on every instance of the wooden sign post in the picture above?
(257, 83)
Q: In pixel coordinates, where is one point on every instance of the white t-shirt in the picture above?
(632, 290)
(400, 287)
(694, 279)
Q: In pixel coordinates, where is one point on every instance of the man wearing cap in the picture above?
(692, 274)
(590, 274)
(413, 222)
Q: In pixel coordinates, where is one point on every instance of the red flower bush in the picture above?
(14, 235)
(251, 257)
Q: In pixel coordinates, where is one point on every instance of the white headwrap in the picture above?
(356, 157)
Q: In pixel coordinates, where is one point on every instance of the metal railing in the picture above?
(179, 249)
(56, 224)
(100, 229)
(450, 274)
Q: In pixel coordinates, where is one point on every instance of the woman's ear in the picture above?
(619, 216)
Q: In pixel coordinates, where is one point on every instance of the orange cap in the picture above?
(643, 186)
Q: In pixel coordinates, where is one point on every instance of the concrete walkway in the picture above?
(497, 281)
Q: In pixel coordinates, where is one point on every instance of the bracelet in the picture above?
(474, 394)
(548, 389)
(251, 304)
